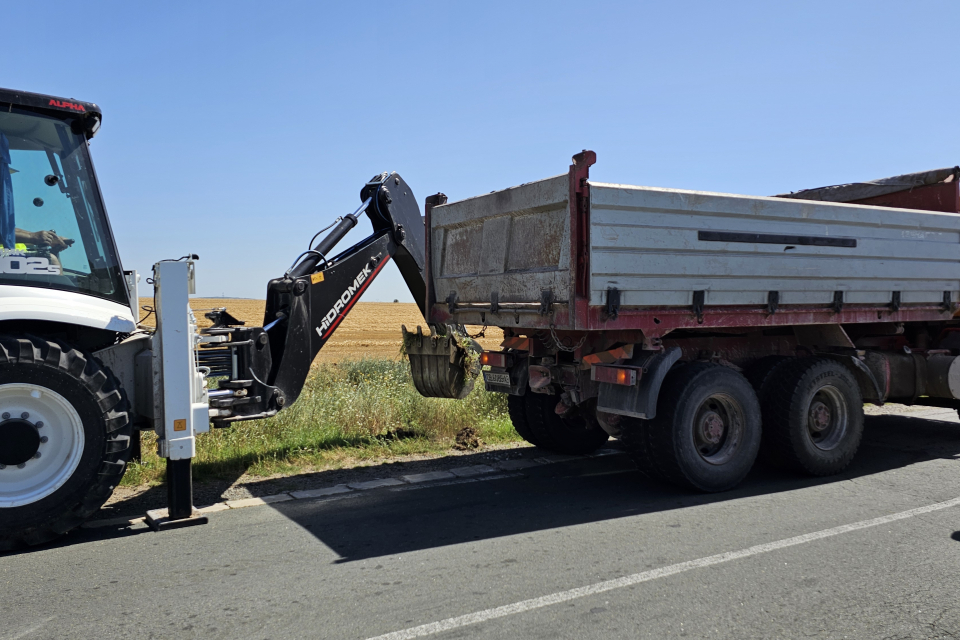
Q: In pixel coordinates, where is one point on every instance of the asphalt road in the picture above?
(580, 549)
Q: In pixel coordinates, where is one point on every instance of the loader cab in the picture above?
(66, 319)
(58, 259)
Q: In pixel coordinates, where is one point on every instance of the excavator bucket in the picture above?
(442, 364)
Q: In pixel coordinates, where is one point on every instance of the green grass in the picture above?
(348, 412)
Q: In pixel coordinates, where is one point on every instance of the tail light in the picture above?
(493, 359)
(626, 376)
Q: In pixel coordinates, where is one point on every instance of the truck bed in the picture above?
(578, 254)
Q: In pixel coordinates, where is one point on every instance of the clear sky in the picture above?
(235, 130)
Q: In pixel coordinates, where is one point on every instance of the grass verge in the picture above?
(348, 412)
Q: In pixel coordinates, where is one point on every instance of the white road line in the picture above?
(653, 574)
(31, 630)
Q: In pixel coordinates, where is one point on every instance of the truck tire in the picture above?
(517, 409)
(813, 416)
(636, 439)
(64, 439)
(707, 430)
(574, 435)
(760, 372)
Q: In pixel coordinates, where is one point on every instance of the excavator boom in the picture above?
(268, 365)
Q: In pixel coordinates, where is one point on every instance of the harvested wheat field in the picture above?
(371, 330)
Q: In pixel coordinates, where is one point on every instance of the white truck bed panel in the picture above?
(645, 242)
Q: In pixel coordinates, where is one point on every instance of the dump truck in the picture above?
(702, 329)
(695, 327)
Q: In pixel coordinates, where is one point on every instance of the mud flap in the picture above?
(441, 364)
(639, 401)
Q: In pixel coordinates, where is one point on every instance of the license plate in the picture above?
(502, 379)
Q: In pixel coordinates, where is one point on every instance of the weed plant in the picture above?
(347, 412)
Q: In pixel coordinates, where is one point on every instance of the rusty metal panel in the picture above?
(659, 246)
(944, 196)
(511, 244)
(860, 191)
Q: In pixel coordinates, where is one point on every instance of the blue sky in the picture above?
(236, 130)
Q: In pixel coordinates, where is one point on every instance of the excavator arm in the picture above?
(266, 367)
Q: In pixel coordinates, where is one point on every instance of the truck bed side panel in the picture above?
(514, 242)
(655, 247)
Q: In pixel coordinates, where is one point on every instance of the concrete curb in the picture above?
(306, 494)
(475, 470)
(440, 477)
(256, 502)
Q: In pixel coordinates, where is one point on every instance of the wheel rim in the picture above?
(718, 428)
(58, 442)
(827, 418)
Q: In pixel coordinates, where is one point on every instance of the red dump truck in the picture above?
(701, 329)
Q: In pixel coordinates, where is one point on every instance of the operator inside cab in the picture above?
(10, 235)
(53, 230)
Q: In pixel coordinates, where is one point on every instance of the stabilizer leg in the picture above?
(180, 512)
(186, 410)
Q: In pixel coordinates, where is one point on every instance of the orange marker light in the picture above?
(493, 359)
(625, 376)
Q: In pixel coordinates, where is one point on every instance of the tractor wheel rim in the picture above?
(718, 428)
(827, 418)
(59, 442)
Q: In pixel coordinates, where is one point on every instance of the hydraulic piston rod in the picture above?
(319, 252)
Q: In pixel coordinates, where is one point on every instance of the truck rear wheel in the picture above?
(64, 439)
(813, 416)
(760, 372)
(707, 431)
(636, 440)
(517, 409)
(576, 434)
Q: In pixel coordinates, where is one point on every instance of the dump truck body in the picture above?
(622, 256)
(685, 322)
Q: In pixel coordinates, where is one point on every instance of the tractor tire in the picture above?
(517, 409)
(813, 416)
(574, 435)
(707, 430)
(64, 439)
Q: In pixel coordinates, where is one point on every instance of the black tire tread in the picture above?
(660, 433)
(636, 439)
(573, 436)
(103, 385)
(760, 372)
(653, 442)
(517, 410)
(783, 392)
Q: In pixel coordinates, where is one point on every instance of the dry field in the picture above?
(371, 330)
